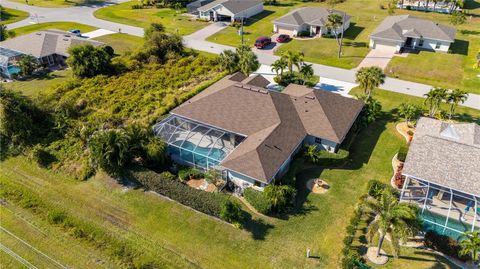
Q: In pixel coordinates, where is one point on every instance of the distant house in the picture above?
(442, 176)
(249, 133)
(225, 10)
(49, 46)
(405, 31)
(311, 20)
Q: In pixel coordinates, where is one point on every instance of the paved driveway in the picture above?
(377, 57)
(204, 33)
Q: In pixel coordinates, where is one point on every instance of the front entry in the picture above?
(317, 30)
(408, 42)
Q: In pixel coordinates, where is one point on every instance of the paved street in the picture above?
(84, 15)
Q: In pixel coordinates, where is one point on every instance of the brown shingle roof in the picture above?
(275, 123)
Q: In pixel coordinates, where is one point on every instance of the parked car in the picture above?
(75, 32)
(283, 38)
(262, 42)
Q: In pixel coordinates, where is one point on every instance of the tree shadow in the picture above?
(353, 31)
(278, 4)
(471, 5)
(460, 47)
(470, 32)
(257, 227)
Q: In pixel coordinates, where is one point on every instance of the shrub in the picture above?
(375, 189)
(280, 196)
(212, 175)
(402, 153)
(444, 244)
(258, 200)
(190, 173)
(164, 184)
(352, 260)
(231, 212)
(42, 156)
(56, 216)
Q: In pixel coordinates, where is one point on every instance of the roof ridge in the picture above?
(326, 115)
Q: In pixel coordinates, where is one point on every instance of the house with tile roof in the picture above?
(396, 33)
(442, 175)
(310, 20)
(225, 10)
(250, 133)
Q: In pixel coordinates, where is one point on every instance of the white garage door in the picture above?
(385, 46)
(285, 31)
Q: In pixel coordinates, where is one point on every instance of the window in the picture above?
(437, 46)
(318, 140)
(420, 43)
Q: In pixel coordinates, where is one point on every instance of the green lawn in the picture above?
(53, 25)
(37, 86)
(121, 42)
(8, 15)
(57, 3)
(173, 21)
(171, 231)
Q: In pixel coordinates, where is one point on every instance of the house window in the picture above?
(318, 140)
(437, 46)
(420, 43)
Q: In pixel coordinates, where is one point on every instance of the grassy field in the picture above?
(36, 86)
(173, 21)
(53, 25)
(171, 231)
(58, 3)
(8, 15)
(121, 42)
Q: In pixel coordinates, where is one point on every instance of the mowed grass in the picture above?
(33, 87)
(174, 232)
(53, 25)
(57, 3)
(174, 22)
(121, 43)
(8, 15)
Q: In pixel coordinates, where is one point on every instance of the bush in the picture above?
(444, 244)
(402, 153)
(352, 260)
(42, 156)
(258, 200)
(164, 184)
(327, 158)
(190, 173)
(375, 188)
(56, 216)
(231, 212)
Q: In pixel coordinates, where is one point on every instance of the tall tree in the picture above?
(293, 58)
(370, 78)
(88, 61)
(454, 97)
(409, 112)
(159, 46)
(335, 25)
(307, 72)
(27, 64)
(247, 60)
(229, 61)
(433, 100)
(279, 66)
(397, 220)
(471, 246)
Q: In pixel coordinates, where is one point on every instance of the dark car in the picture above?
(262, 42)
(75, 32)
(283, 38)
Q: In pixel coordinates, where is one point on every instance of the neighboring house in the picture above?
(49, 46)
(226, 10)
(250, 133)
(310, 20)
(405, 31)
(442, 175)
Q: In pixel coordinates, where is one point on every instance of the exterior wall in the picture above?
(249, 12)
(285, 29)
(244, 181)
(204, 15)
(430, 44)
(377, 43)
(324, 144)
(221, 10)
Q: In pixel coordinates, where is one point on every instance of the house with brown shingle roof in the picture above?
(251, 133)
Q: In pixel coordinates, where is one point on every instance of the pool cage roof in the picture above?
(197, 144)
(6, 55)
(452, 222)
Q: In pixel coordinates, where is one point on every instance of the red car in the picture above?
(283, 38)
(262, 42)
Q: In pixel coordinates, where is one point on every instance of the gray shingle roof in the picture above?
(446, 154)
(47, 42)
(316, 16)
(403, 26)
(275, 123)
(235, 6)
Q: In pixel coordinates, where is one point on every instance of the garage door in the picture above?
(285, 31)
(386, 46)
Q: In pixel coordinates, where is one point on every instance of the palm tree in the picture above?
(293, 58)
(247, 60)
(471, 245)
(408, 111)
(334, 22)
(454, 97)
(109, 150)
(370, 78)
(307, 72)
(279, 66)
(278, 195)
(433, 100)
(311, 153)
(229, 61)
(397, 220)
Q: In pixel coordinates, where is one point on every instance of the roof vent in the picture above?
(246, 87)
(66, 35)
(38, 33)
(310, 97)
(277, 148)
(306, 110)
(238, 85)
(263, 91)
(65, 39)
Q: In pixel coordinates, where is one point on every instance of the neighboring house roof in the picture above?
(316, 16)
(234, 6)
(275, 123)
(400, 27)
(46, 42)
(446, 154)
(257, 81)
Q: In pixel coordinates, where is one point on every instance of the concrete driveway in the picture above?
(377, 57)
(205, 32)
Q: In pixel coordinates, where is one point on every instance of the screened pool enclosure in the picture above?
(444, 210)
(9, 62)
(196, 144)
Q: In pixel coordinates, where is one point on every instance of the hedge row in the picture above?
(166, 184)
(327, 158)
(257, 200)
(444, 244)
(350, 257)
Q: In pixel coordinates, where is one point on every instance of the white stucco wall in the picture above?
(243, 180)
(325, 144)
(430, 44)
(221, 10)
(379, 43)
(250, 12)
